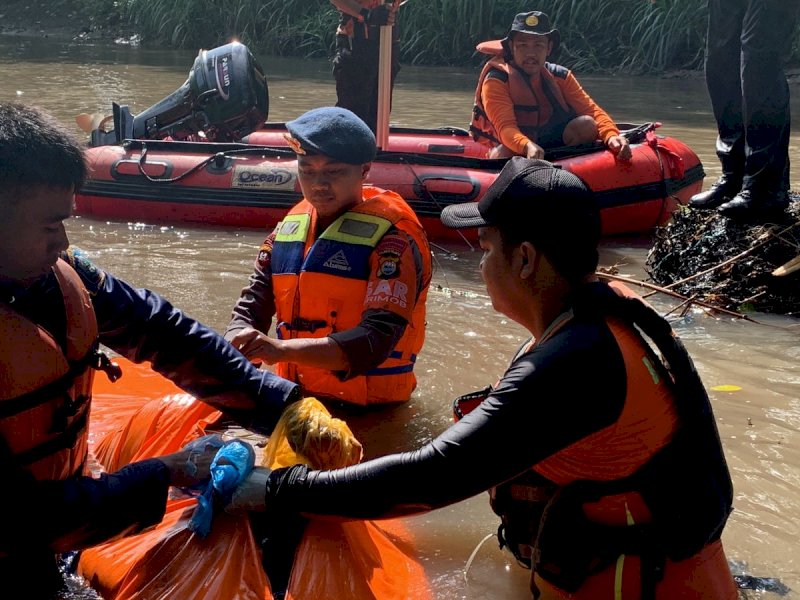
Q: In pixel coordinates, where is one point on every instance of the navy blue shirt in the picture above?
(42, 518)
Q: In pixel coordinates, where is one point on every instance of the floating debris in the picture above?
(726, 388)
(735, 265)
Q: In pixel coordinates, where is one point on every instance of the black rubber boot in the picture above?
(748, 205)
(721, 191)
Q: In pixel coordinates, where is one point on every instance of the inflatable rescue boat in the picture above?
(204, 155)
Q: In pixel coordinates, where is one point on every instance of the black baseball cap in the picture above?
(537, 201)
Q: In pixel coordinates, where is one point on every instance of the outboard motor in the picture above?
(225, 97)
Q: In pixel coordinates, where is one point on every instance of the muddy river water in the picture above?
(468, 344)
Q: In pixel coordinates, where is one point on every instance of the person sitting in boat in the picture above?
(56, 307)
(525, 105)
(603, 460)
(345, 274)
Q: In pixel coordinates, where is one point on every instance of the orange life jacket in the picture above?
(654, 483)
(320, 285)
(527, 104)
(45, 394)
(646, 424)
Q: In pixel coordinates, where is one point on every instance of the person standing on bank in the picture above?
(356, 63)
(345, 274)
(747, 43)
(603, 461)
(525, 105)
(56, 307)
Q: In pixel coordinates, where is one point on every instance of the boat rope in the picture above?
(474, 553)
(439, 265)
(649, 137)
(421, 185)
(194, 169)
(218, 158)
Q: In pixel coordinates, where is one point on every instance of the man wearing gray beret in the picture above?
(345, 274)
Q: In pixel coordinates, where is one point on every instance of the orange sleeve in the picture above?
(500, 109)
(583, 104)
(392, 283)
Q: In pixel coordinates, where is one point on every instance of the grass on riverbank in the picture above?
(631, 36)
(647, 36)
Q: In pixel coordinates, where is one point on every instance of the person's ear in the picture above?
(528, 259)
(549, 47)
(365, 170)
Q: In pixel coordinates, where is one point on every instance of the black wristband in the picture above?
(364, 13)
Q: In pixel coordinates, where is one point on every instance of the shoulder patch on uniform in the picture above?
(557, 70)
(498, 74)
(92, 276)
(265, 252)
(389, 251)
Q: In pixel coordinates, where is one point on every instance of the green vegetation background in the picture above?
(633, 36)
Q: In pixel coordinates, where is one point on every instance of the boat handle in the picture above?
(134, 162)
(422, 192)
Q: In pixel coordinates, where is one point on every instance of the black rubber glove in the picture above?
(378, 16)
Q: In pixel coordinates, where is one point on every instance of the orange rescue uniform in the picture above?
(511, 106)
(323, 285)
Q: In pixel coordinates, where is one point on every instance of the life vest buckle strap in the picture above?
(466, 403)
(65, 440)
(522, 552)
(310, 325)
(29, 400)
(69, 409)
(101, 362)
(299, 324)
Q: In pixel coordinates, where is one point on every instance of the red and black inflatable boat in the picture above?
(253, 184)
(205, 155)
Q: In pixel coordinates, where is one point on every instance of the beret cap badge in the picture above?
(294, 144)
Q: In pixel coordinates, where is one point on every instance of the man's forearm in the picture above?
(255, 306)
(323, 353)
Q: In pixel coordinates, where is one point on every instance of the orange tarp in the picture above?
(144, 415)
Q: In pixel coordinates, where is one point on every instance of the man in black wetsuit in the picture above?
(748, 41)
(587, 421)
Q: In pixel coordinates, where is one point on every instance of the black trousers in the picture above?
(748, 41)
(356, 72)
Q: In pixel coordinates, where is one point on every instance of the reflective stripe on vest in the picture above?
(44, 393)
(320, 285)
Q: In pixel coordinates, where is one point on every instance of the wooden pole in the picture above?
(384, 87)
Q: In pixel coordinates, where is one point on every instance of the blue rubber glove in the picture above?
(231, 466)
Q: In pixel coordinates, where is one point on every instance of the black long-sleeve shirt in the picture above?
(566, 388)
